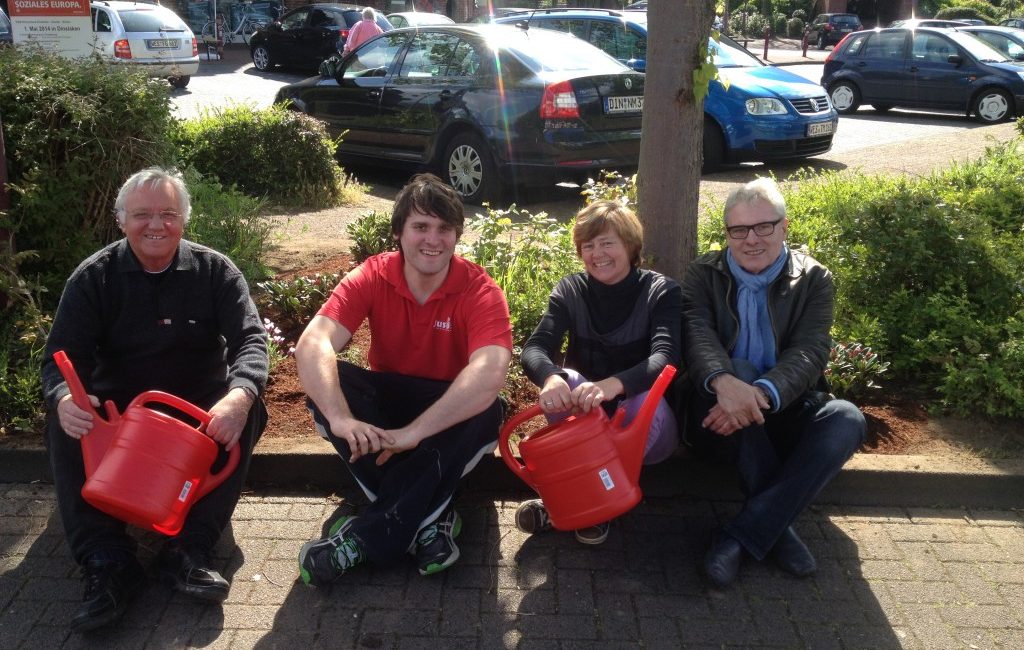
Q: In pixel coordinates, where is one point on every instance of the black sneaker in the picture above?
(435, 544)
(109, 587)
(322, 561)
(593, 535)
(188, 571)
(532, 517)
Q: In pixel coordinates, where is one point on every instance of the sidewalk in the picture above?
(888, 578)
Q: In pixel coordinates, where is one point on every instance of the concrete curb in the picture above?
(869, 480)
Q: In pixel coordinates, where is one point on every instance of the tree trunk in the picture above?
(668, 182)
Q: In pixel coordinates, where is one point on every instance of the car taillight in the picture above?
(838, 47)
(559, 102)
(343, 34)
(195, 47)
(122, 50)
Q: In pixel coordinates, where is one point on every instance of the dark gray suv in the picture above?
(829, 29)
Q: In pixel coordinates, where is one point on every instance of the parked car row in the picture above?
(753, 112)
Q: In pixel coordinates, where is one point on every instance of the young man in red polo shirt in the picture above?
(427, 410)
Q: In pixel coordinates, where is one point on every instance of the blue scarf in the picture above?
(756, 342)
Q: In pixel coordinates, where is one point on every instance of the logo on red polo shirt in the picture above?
(443, 325)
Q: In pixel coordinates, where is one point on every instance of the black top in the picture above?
(192, 330)
(630, 330)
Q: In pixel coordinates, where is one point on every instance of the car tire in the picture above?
(469, 168)
(179, 82)
(821, 41)
(882, 108)
(713, 147)
(261, 58)
(845, 97)
(992, 105)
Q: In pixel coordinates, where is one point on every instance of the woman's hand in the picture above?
(555, 395)
(590, 394)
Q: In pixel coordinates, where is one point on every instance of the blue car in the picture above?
(759, 113)
(924, 68)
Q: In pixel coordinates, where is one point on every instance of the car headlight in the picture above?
(765, 106)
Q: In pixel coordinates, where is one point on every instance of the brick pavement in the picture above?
(889, 577)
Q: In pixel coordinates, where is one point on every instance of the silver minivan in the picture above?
(148, 35)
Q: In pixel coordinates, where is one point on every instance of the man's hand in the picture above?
(362, 437)
(402, 439)
(739, 405)
(75, 422)
(228, 417)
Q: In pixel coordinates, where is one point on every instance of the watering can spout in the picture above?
(95, 443)
(630, 439)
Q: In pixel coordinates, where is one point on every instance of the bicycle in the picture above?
(249, 24)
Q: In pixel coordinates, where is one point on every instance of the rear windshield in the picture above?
(846, 20)
(147, 20)
(543, 50)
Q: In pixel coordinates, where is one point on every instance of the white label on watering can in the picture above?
(185, 489)
(606, 478)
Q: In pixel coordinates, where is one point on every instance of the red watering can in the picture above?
(586, 468)
(146, 467)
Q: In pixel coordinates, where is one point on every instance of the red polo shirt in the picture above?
(432, 340)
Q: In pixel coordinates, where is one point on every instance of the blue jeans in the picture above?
(782, 464)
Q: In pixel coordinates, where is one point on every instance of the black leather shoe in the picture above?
(189, 572)
(793, 556)
(109, 587)
(722, 562)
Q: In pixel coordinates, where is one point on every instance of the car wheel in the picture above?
(713, 147)
(821, 41)
(180, 82)
(881, 108)
(470, 169)
(845, 97)
(261, 58)
(992, 105)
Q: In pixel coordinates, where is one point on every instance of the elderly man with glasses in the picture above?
(153, 311)
(756, 320)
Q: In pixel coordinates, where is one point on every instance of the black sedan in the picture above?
(486, 106)
(306, 36)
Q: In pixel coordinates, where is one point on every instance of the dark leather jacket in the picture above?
(800, 306)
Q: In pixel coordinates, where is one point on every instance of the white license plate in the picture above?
(819, 128)
(162, 43)
(633, 104)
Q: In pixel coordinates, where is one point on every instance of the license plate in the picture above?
(162, 43)
(846, 30)
(632, 104)
(819, 128)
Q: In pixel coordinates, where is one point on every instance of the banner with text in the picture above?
(62, 26)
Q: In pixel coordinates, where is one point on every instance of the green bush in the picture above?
(23, 331)
(852, 369)
(779, 22)
(371, 235)
(751, 24)
(74, 130)
(273, 152)
(526, 254)
(968, 9)
(794, 28)
(800, 14)
(291, 304)
(927, 271)
(230, 222)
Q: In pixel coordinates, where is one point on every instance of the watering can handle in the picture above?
(506, 452)
(234, 456)
(173, 401)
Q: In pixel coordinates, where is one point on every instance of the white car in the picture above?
(147, 35)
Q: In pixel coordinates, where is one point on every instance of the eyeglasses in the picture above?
(166, 216)
(760, 229)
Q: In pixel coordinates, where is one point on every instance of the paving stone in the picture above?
(575, 591)
(974, 584)
(920, 558)
(460, 611)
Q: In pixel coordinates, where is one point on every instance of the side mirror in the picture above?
(955, 59)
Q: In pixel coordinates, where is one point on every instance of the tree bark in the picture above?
(668, 181)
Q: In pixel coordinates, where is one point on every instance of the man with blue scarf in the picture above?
(756, 320)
